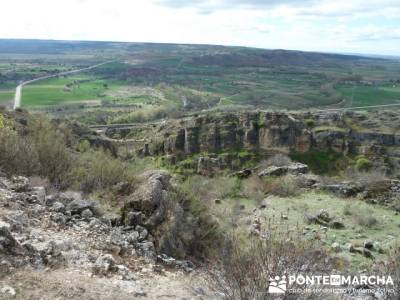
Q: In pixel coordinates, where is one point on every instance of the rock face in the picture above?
(252, 131)
(265, 132)
(160, 208)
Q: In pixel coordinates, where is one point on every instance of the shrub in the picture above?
(254, 188)
(396, 204)
(366, 220)
(208, 189)
(322, 162)
(54, 158)
(208, 234)
(286, 186)
(17, 155)
(99, 170)
(244, 270)
(363, 164)
(362, 215)
(391, 267)
(41, 151)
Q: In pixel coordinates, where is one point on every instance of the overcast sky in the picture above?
(362, 26)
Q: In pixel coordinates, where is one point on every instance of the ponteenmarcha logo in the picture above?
(277, 285)
(280, 284)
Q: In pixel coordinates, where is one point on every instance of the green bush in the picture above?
(322, 162)
(17, 155)
(41, 151)
(99, 170)
(54, 158)
(363, 164)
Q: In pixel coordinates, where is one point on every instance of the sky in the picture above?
(343, 26)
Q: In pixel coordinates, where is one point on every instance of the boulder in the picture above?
(40, 193)
(8, 244)
(273, 171)
(104, 265)
(246, 173)
(344, 189)
(50, 200)
(322, 218)
(336, 247)
(20, 184)
(8, 292)
(361, 250)
(148, 250)
(336, 224)
(143, 233)
(58, 218)
(58, 207)
(369, 245)
(307, 180)
(124, 239)
(151, 198)
(76, 207)
(134, 218)
(166, 214)
(297, 168)
(292, 168)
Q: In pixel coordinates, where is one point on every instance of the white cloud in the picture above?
(325, 25)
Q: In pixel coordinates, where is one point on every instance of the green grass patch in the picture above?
(6, 96)
(370, 95)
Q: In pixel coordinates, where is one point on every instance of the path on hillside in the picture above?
(357, 107)
(18, 90)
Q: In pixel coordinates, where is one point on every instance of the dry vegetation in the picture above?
(245, 267)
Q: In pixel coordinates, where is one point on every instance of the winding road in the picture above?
(18, 90)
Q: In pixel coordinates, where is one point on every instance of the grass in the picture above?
(384, 228)
(367, 95)
(54, 92)
(6, 96)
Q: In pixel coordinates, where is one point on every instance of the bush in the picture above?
(363, 216)
(253, 188)
(54, 158)
(286, 186)
(208, 189)
(99, 170)
(366, 220)
(323, 162)
(391, 267)
(17, 155)
(363, 164)
(396, 204)
(41, 151)
(244, 270)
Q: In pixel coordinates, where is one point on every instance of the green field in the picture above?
(6, 96)
(190, 78)
(365, 95)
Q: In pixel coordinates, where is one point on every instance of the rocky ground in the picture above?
(62, 247)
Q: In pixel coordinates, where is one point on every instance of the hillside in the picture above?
(165, 171)
(146, 81)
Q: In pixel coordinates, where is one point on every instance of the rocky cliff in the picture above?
(265, 132)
